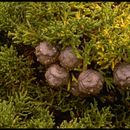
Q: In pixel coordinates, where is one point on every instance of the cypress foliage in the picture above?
(97, 32)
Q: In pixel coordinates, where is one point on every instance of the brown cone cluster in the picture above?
(90, 82)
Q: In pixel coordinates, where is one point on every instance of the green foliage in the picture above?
(99, 34)
(41, 119)
(25, 106)
(112, 40)
(71, 124)
(11, 14)
(93, 118)
(15, 72)
(23, 103)
(7, 115)
(15, 113)
(66, 23)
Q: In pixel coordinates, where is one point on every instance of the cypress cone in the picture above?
(90, 82)
(57, 76)
(68, 59)
(121, 75)
(46, 53)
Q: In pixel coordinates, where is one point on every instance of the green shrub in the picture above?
(11, 14)
(30, 113)
(106, 25)
(7, 115)
(93, 118)
(15, 113)
(15, 72)
(41, 119)
(98, 33)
